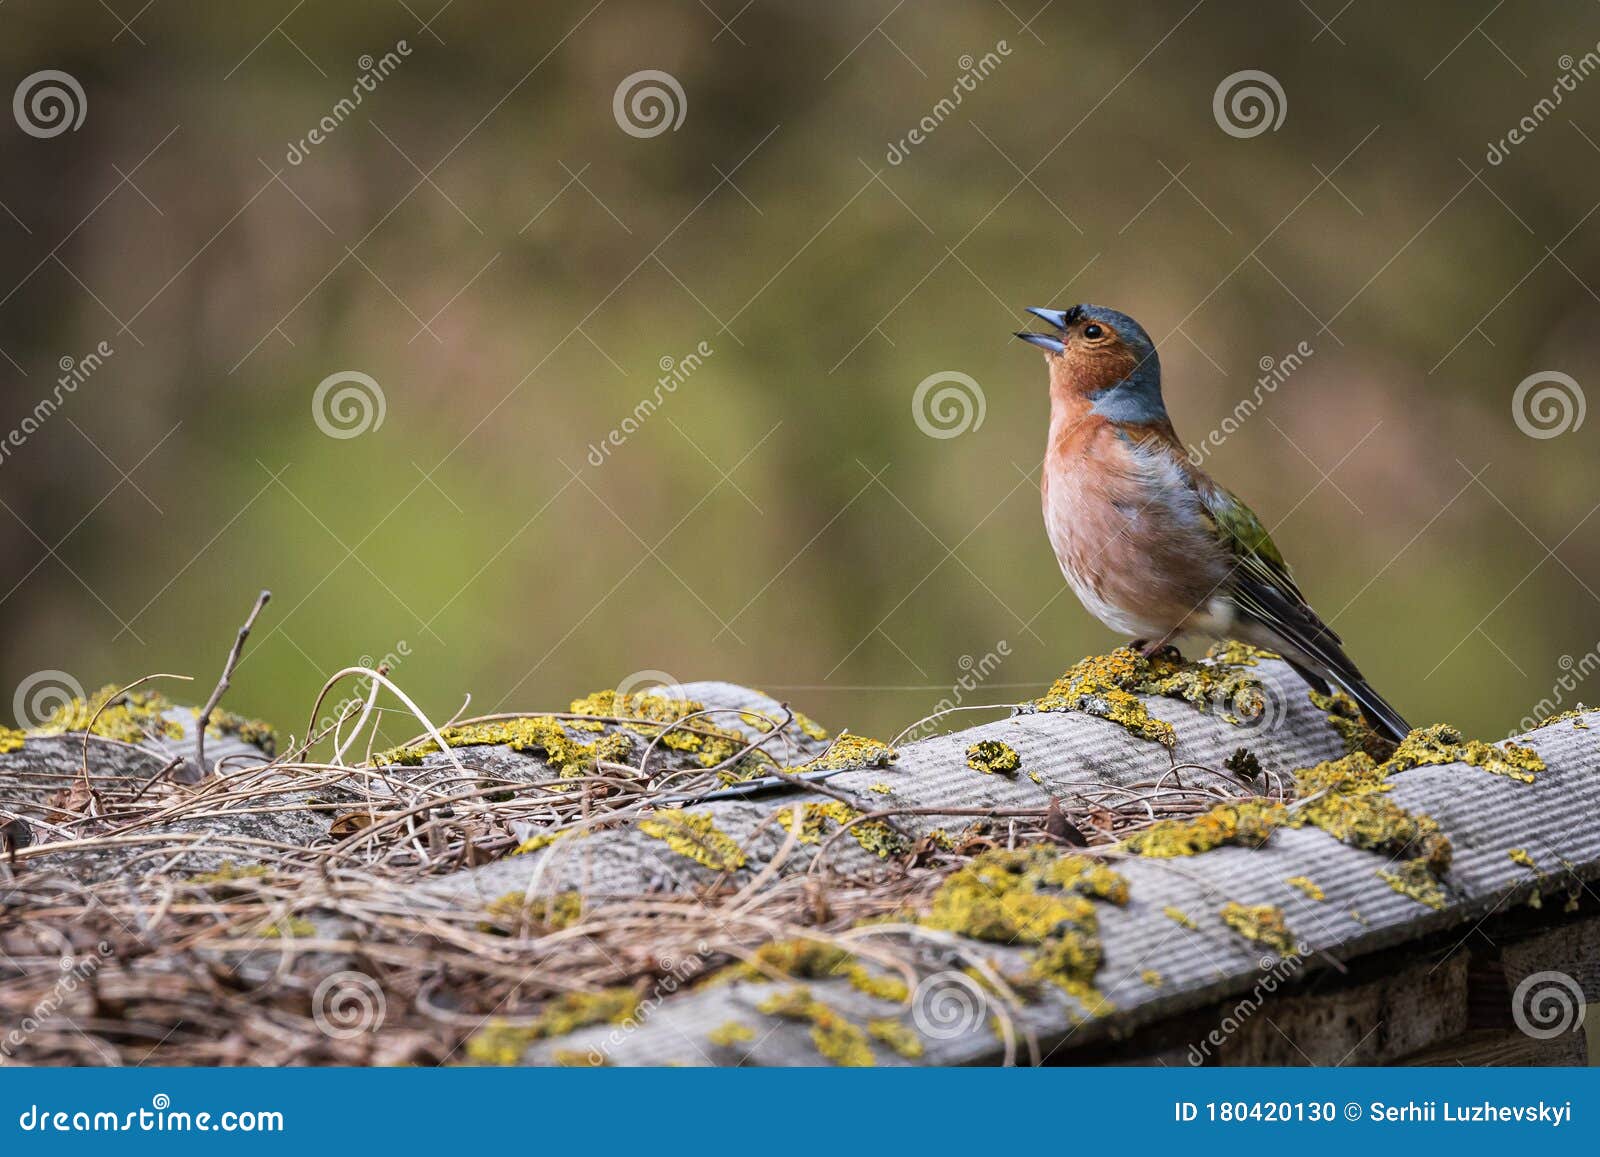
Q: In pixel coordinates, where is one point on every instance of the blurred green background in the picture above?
(484, 240)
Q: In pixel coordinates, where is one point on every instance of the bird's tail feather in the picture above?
(1314, 651)
(1384, 719)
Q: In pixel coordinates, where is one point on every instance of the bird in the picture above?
(1152, 546)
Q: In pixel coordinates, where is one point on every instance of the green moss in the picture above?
(502, 1043)
(1308, 886)
(730, 1033)
(1415, 878)
(1179, 916)
(993, 757)
(1038, 897)
(1110, 686)
(1248, 824)
(820, 818)
(1262, 924)
(693, 834)
(902, 1038)
(855, 752)
(836, 1037)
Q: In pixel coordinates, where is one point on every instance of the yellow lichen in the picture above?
(1152, 978)
(545, 839)
(1417, 879)
(879, 788)
(578, 1059)
(131, 718)
(694, 835)
(730, 1033)
(897, 1035)
(11, 740)
(1575, 715)
(1249, 824)
(853, 753)
(993, 757)
(1521, 856)
(1308, 886)
(1262, 924)
(836, 1037)
(514, 911)
(1110, 686)
(503, 1043)
(1038, 897)
(1179, 916)
(819, 818)
(1442, 743)
(541, 735)
(293, 926)
(1344, 714)
(804, 959)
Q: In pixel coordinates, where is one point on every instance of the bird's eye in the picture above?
(1092, 331)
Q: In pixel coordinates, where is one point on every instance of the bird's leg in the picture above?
(1151, 650)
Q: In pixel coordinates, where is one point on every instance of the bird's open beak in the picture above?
(1043, 341)
(1057, 318)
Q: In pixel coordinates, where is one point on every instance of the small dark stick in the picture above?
(198, 772)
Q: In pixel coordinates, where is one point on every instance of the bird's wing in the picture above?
(1261, 582)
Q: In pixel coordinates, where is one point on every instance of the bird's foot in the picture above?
(1149, 650)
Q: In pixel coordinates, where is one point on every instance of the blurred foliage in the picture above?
(482, 238)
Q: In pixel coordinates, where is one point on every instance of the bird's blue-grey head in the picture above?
(1106, 357)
